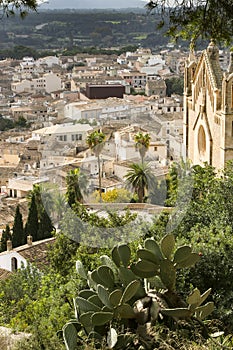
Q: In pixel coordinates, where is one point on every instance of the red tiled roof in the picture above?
(4, 274)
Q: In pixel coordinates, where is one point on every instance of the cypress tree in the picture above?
(45, 226)
(6, 234)
(73, 192)
(31, 227)
(18, 235)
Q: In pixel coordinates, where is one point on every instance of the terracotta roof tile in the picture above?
(4, 274)
(37, 252)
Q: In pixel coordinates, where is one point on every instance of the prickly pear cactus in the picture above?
(159, 260)
(128, 294)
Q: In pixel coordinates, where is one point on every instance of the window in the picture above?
(217, 120)
(201, 140)
(155, 148)
(62, 138)
(78, 137)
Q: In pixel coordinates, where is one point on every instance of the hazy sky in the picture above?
(60, 4)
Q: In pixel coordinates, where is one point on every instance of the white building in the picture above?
(48, 61)
(32, 252)
(172, 134)
(152, 70)
(126, 150)
(48, 82)
(64, 133)
(22, 86)
(27, 65)
(82, 110)
(19, 187)
(173, 104)
(105, 110)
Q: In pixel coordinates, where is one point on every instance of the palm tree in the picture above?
(95, 142)
(84, 182)
(142, 143)
(140, 177)
(59, 206)
(73, 192)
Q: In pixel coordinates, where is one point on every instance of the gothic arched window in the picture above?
(201, 140)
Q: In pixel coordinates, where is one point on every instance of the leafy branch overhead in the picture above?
(196, 19)
(11, 7)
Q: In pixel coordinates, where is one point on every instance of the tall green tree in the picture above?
(141, 178)
(32, 224)
(174, 85)
(142, 142)
(62, 254)
(179, 174)
(191, 20)
(73, 192)
(18, 233)
(95, 142)
(45, 226)
(6, 234)
(44, 206)
(43, 199)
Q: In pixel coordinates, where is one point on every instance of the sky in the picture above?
(77, 4)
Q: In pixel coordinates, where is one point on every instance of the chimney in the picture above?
(29, 240)
(9, 245)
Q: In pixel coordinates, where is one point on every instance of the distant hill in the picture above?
(91, 4)
(65, 29)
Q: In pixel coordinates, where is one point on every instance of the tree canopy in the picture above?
(18, 234)
(142, 143)
(196, 18)
(6, 234)
(140, 177)
(73, 193)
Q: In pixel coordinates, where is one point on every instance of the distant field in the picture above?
(140, 37)
(113, 22)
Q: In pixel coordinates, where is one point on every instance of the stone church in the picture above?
(208, 109)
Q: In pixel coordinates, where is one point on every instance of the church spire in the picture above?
(192, 57)
(213, 50)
